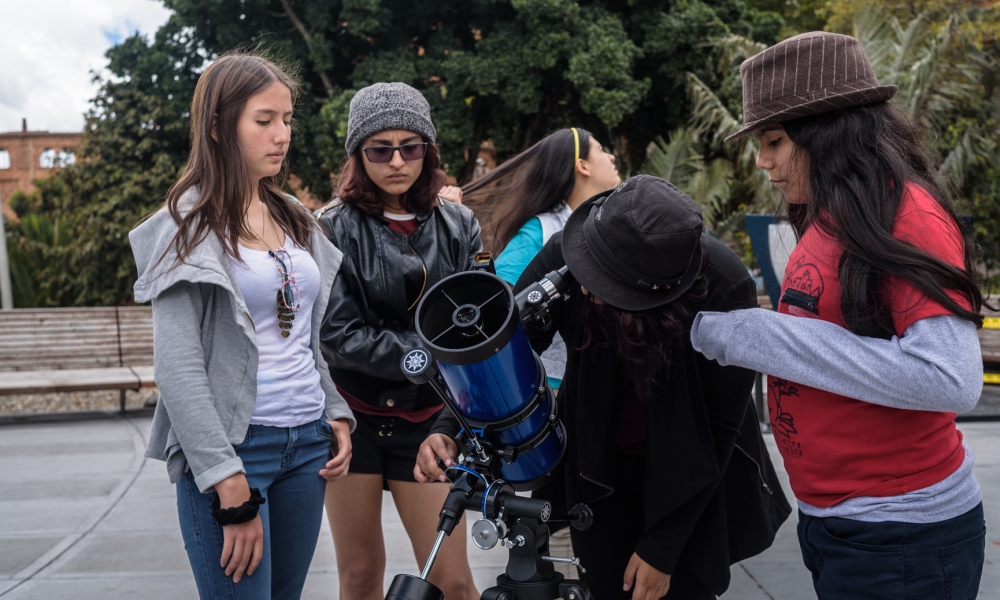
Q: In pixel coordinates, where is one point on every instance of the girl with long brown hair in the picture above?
(399, 238)
(239, 277)
(528, 198)
(873, 349)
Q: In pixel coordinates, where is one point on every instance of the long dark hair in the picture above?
(354, 186)
(642, 340)
(216, 164)
(530, 183)
(859, 160)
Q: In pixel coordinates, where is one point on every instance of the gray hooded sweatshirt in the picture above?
(205, 349)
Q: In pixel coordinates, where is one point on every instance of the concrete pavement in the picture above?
(83, 515)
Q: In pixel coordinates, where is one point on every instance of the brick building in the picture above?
(27, 155)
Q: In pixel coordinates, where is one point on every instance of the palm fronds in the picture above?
(676, 161)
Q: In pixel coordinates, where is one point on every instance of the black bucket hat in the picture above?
(637, 246)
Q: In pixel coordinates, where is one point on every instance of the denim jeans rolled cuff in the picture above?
(284, 464)
(890, 560)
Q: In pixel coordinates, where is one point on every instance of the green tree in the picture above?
(135, 145)
(35, 243)
(509, 71)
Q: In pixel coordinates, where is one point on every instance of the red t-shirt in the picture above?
(835, 447)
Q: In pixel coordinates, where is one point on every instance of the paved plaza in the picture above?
(83, 515)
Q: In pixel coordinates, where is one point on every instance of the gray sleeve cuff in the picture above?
(340, 411)
(207, 480)
(711, 332)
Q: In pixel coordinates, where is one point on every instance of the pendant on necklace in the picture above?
(285, 317)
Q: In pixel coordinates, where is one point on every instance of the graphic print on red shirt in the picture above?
(835, 447)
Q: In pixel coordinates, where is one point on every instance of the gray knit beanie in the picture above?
(385, 106)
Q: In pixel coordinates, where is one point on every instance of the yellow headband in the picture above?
(576, 142)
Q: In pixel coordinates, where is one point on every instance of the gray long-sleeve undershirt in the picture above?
(936, 365)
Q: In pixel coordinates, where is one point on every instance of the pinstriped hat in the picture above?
(809, 74)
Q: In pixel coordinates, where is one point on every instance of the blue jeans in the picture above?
(857, 560)
(284, 464)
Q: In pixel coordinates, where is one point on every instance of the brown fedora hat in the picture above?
(809, 74)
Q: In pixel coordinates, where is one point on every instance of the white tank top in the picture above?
(554, 221)
(288, 385)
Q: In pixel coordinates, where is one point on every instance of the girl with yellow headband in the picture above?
(528, 198)
(554, 176)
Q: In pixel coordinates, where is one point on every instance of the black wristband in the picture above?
(238, 514)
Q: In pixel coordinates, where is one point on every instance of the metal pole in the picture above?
(433, 556)
(6, 291)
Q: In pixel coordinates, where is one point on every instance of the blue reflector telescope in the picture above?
(471, 325)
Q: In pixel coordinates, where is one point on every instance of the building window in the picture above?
(4, 159)
(50, 158)
(47, 159)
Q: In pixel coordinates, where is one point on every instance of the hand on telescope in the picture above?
(650, 584)
(436, 446)
(338, 466)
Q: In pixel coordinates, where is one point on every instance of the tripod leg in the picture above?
(433, 555)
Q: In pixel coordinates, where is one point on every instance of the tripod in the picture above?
(518, 523)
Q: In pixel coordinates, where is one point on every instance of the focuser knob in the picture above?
(509, 454)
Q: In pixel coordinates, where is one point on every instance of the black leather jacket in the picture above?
(369, 320)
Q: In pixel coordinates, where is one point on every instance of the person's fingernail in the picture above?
(625, 587)
(442, 478)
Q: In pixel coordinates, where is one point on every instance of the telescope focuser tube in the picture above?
(533, 301)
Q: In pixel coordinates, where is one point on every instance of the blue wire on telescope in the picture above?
(469, 471)
(486, 495)
(483, 479)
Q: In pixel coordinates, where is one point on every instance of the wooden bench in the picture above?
(76, 349)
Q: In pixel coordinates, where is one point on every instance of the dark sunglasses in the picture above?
(383, 154)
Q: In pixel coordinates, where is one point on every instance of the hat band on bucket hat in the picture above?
(617, 267)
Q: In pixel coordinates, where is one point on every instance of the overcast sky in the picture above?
(48, 49)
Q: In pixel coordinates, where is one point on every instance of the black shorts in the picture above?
(387, 446)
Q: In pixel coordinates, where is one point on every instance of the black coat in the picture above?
(712, 497)
(368, 325)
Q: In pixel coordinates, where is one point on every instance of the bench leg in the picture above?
(121, 399)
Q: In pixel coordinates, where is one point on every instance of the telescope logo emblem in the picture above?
(415, 361)
(534, 297)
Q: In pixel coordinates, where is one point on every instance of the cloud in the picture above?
(50, 47)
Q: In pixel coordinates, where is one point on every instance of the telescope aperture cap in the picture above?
(637, 246)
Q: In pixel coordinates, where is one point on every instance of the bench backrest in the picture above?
(75, 338)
